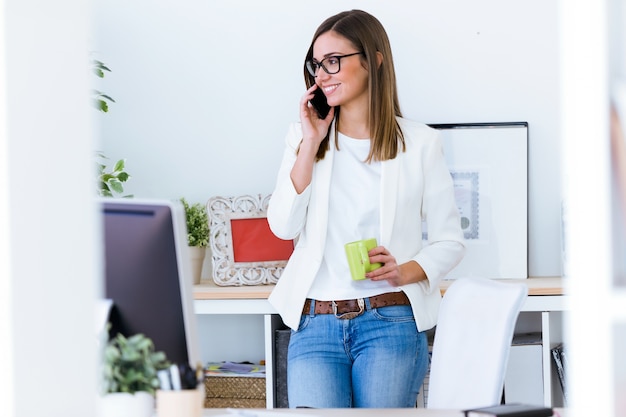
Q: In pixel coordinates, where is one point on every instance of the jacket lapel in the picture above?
(323, 173)
(388, 197)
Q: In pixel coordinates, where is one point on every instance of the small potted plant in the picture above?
(197, 236)
(130, 376)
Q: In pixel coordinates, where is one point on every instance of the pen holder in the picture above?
(188, 403)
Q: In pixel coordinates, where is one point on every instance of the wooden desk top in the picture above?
(208, 290)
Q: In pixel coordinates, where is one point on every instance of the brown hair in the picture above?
(368, 35)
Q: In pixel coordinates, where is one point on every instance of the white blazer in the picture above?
(415, 185)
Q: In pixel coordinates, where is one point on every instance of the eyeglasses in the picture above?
(331, 64)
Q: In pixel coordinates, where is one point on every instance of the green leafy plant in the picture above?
(100, 99)
(110, 181)
(197, 223)
(131, 364)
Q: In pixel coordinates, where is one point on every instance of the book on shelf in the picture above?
(235, 369)
(510, 410)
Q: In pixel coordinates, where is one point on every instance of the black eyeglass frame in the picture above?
(312, 66)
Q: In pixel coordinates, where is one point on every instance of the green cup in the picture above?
(358, 259)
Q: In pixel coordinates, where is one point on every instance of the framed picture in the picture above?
(488, 163)
(244, 249)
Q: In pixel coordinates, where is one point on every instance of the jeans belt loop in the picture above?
(351, 314)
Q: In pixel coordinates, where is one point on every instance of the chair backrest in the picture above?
(472, 342)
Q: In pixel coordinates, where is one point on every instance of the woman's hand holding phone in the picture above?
(313, 126)
(314, 131)
(319, 103)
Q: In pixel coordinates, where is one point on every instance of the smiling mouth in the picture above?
(329, 89)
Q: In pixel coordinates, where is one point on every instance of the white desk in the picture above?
(546, 299)
(545, 294)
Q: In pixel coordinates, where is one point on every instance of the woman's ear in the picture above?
(379, 58)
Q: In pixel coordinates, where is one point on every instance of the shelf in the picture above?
(536, 285)
(545, 294)
(208, 290)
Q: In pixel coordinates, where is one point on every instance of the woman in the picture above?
(361, 172)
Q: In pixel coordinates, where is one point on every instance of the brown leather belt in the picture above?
(347, 309)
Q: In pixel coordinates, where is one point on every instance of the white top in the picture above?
(353, 214)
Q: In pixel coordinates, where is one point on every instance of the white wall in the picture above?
(47, 213)
(205, 90)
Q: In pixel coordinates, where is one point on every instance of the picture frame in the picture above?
(488, 163)
(244, 251)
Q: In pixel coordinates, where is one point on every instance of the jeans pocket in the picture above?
(394, 313)
(304, 322)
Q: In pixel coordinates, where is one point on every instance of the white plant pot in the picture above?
(123, 404)
(197, 254)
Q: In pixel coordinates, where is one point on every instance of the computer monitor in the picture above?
(147, 275)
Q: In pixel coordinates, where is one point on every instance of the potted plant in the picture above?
(197, 236)
(130, 377)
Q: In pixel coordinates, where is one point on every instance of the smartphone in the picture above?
(319, 103)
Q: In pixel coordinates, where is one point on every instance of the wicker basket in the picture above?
(234, 392)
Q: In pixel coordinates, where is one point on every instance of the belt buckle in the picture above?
(351, 314)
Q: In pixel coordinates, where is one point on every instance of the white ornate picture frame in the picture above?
(242, 258)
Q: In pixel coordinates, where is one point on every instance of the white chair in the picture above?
(472, 342)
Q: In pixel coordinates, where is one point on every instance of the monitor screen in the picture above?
(147, 275)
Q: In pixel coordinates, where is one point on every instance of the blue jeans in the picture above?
(376, 360)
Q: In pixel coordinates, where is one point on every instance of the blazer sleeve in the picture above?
(445, 247)
(287, 210)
